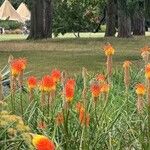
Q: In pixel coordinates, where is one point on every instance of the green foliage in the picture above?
(74, 16)
(135, 5)
(115, 124)
(147, 9)
(7, 24)
(13, 132)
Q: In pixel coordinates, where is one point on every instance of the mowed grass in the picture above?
(71, 54)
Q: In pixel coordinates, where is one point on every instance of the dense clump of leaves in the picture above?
(10, 24)
(74, 16)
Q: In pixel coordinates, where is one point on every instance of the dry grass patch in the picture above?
(71, 54)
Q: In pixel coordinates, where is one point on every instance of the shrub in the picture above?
(7, 24)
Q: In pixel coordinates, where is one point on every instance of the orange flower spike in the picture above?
(42, 142)
(56, 75)
(17, 66)
(105, 88)
(109, 50)
(32, 82)
(42, 125)
(71, 82)
(145, 49)
(40, 85)
(24, 63)
(48, 84)
(87, 121)
(69, 90)
(101, 78)
(147, 71)
(95, 89)
(59, 119)
(82, 115)
(84, 118)
(126, 64)
(140, 89)
(79, 106)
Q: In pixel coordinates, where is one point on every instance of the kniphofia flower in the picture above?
(69, 90)
(95, 89)
(104, 88)
(101, 78)
(42, 142)
(147, 71)
(109, 50)
(32, 82)
(47, 84)
(42, 124)
(79, 106)
(147, 75)
(145, 48)
(145, 51)
(17, 66)
(127, 64)
(56, 75)
(59, 119)
(84, 117)
(140, 89)
(70, 82)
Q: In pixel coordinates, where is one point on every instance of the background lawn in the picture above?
(70, 54)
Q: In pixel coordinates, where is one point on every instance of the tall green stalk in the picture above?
(21, 100)
(148, 107)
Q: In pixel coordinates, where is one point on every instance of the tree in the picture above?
(41, 19)
(48, 18)
(75, 16)
(147, 9)
(138, 18)
(36, 31)
(124, 20)
(111, 18)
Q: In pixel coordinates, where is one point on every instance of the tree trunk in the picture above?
(41, 19)
(124, 20)
(33, 20)
(138, 23)
(48, 18)
(110, 18)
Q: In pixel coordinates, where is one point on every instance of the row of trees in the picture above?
(131, 16)
(125, 16)
(61, 16)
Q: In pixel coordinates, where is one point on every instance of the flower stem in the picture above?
(81, 147)
(12, 102)
(148, 107)
(21, 100)
(48, 107)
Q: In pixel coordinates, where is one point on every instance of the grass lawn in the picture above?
(69, 54)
